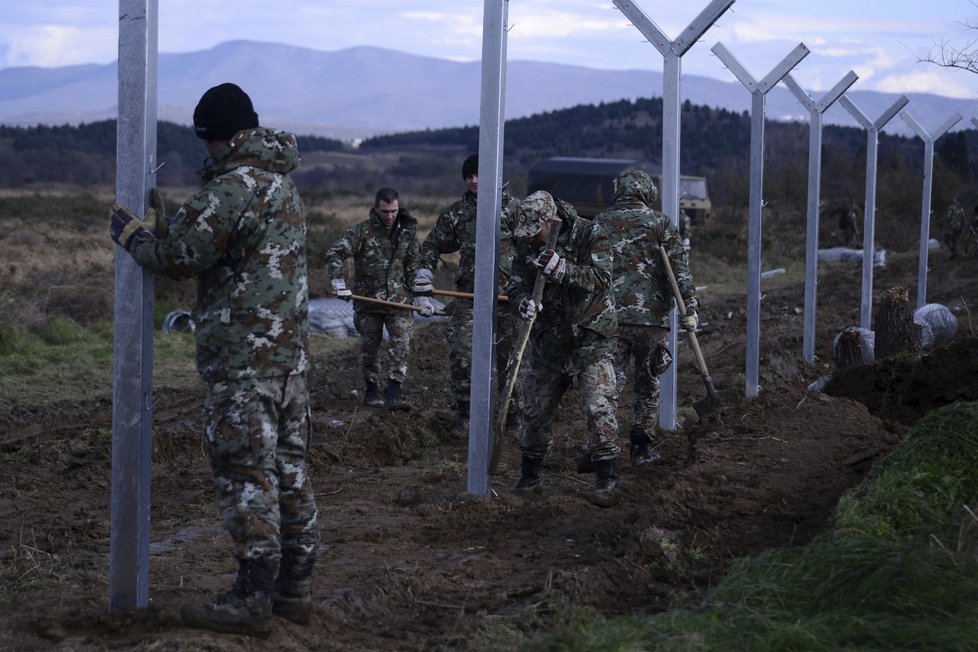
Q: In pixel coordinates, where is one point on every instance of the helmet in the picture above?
(534, 211)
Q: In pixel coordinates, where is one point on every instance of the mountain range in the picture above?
(364, 91)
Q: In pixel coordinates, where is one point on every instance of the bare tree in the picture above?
(947, 55)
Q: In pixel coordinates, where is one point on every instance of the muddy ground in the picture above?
(410, 561)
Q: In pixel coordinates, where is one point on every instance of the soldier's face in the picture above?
(541, 237)
(387, 212)
(472, 183)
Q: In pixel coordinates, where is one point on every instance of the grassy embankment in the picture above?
(898, 572)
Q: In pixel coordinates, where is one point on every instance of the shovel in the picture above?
(513, 366)
(712, 401)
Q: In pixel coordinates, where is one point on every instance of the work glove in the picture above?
(689, 321)
(125, 225)
(686, 244)
(427, 308)
(529, 309)
(161, 223)
(422, 282)
(551, 264)
(339, 289)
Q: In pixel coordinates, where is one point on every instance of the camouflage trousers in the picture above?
(641, 344)
(256, 438)
(459, 335)
(370, 325)
(544, 386)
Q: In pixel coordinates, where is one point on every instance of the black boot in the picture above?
(530, 484)
(461, 427)
(514, 424)
(371, 397)
(395, 400)
(585, 461)
(638, 452)
(292, 595)
(606, 483)
(245, 609)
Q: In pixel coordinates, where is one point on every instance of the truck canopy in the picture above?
(588, 184)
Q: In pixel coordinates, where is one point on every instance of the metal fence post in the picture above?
(816, 110)
(758, 90)
(491, 127)
(869, 212)
(672, 53)
(132, 372)
(925, 210)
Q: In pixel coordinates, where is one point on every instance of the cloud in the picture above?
(931, 81)
(62, 45)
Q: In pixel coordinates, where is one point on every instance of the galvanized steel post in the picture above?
(491, 124)
(869, 212)
(925, 210)
(758, 90)
(672, 52)
(132, 372)
(815, 110)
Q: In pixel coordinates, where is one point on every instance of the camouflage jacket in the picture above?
(641, 287)
(954, 218)
(455, 231)
(243, 236)
(384, 262)
(583, 299)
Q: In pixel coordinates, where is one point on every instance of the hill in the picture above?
(364, 91)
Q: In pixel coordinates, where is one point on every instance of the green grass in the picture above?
(63, 360)
(899, 572)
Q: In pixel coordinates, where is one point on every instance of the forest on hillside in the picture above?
(715, 144)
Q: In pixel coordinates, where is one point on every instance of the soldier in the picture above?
(643, 298)
(573, 336)
(243, 237)
(971, 244)
(384, 248)
(685, 227)
(953, 226)
(455, 231)
(849, 223)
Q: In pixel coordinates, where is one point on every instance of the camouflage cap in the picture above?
(535, 211)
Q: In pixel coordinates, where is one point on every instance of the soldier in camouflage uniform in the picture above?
(573, 337)
(685, 228)
(643, 298)
(384, 248)
(953, 226)
(243, 237)
(455, 231)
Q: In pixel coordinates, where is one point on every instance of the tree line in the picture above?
(715, 144)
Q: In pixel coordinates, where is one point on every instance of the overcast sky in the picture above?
(880, 40)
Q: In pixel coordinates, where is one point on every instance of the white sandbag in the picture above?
(937, 324)
(847, 255)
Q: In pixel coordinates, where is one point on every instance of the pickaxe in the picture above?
(513, 366)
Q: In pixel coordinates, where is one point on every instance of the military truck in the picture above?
(587, 183)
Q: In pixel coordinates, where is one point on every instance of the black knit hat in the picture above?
(224, 111)
(470, 166)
